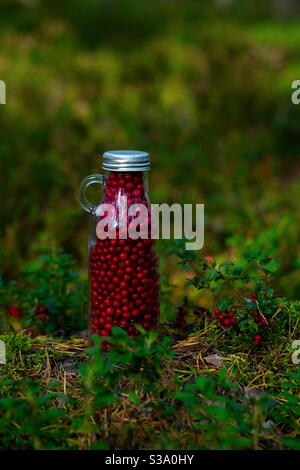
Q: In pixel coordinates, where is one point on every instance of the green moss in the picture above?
(21, 353)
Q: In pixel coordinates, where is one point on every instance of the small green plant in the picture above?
(29, 415)
(246, 305)
(224, 419)
(143, 357)
(50, 299)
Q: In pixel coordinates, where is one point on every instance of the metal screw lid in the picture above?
(126, 160)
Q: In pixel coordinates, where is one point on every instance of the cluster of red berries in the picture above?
(261, 320)
(123, 272)
(225, 318)
(179, 320)
(257, 340)
(129, 184)
(41, 312)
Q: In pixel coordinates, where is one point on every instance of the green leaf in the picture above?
(211, 274)
(134, 398)
(271, 266)
(294, 443)
(226, 263)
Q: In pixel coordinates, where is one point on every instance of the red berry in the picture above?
(227, 322)
(42, 317)
(182, 312)
(257, 337)
(30, 333)
(217, 311)
(272, 324)
(209, 259)
(254, 295)
(43, 309)
(230, 314)
(14, 311)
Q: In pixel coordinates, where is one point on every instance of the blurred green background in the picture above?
(204, 86)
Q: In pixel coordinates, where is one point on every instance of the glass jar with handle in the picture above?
(123, 261)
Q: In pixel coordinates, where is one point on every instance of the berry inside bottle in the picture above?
(124, 279)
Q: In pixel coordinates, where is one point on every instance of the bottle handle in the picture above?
(85, 183)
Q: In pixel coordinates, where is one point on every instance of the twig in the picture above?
(260, 312)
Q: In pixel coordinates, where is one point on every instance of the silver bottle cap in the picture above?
(126, 160)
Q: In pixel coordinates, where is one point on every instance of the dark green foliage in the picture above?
(206, 92)
(208, 412)
(205, 87)
(232, 287)
(29, 416)
(49, 281)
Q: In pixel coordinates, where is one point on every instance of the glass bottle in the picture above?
(123, 263)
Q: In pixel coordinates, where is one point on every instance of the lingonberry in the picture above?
(253, 295)
(123, 271)
(14, 311)
(30, 332)
(182, 312)
(179, 323)
(104, 332)
(41, 309)
(210, 259)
